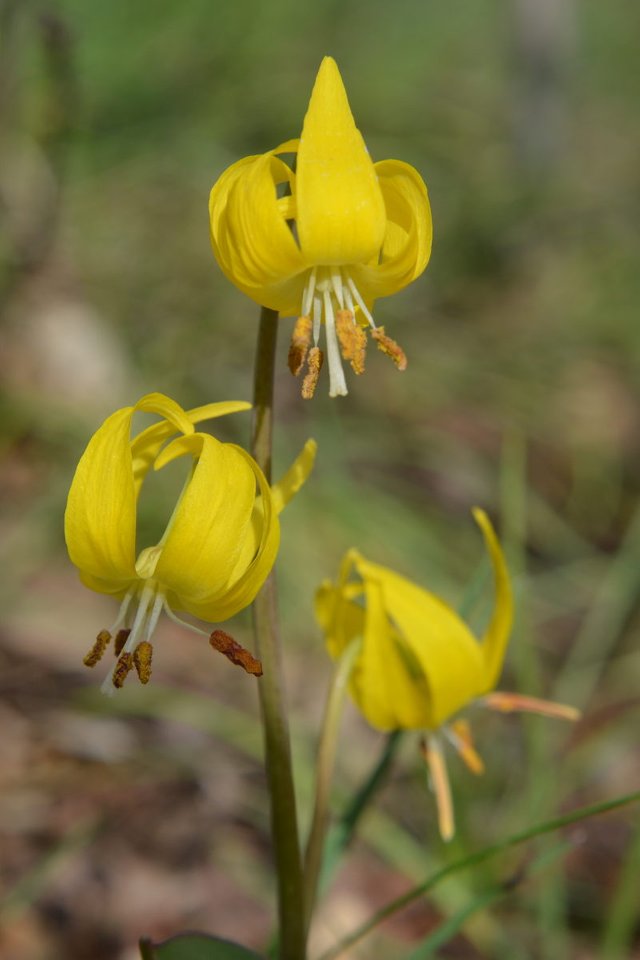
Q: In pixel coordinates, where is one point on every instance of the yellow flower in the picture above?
(419, 663)
(217, 549)
(324, 237)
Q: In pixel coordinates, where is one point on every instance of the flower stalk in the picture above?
(324, 773)
(284, 819)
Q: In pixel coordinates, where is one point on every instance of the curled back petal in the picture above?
(496, 636)
(250, 236)
(340, 613)
(341, 216)
(100, 518)
(147, 445)
(249, 573)
(388, 695)
(288, 485)
(407, 242)
(436, 641)
(205, 535)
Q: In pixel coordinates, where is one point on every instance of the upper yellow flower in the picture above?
(419, 663)
(323, 238)
(217, 548)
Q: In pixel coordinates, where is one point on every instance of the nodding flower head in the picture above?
(418, 663)
(314, 229)
(217, 549)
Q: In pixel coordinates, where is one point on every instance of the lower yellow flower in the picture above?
(419, 663)
(217, 549)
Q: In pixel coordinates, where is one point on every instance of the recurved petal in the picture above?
(288, 485)
(388, 691)
(205, 535)
(147, 445)
(437, 642)
(496, 637)
(250, 236)
(340, 613)
(407, 241)
(100, 518)
(340, 210)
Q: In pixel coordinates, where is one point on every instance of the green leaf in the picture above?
(195, 946)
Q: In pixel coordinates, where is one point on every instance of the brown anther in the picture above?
(142, 661)
(353, 339)
(314, 366)
(234, 652)
(99, 647)
(390, 347)
(121, 638)
(121, 669)
(300, 342)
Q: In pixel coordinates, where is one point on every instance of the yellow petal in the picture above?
(388, 683)
(288, 485)
(146, 446)
(341, 215)
(407, 242)
(100, 519)
(199, 561)
(208, 527)
(443, 659)
(250, 236)
(340, 617)
(496, 637)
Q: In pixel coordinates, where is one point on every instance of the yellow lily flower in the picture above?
(323, 237)
(419, 664)
(217, 549)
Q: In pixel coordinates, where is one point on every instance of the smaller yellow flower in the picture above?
(419, 664)
(217, 549)
(322, 237)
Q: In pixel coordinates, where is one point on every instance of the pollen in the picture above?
(142, 661)
(300, 343)
(98, 649)
(314, 366)
(121, 638)
(122, 669)
(390, 347)
(352, 338)
(235, 652)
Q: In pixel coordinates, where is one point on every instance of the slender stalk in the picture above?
(284, 819)
(324, 774)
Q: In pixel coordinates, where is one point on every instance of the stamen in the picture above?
(510, 702)
(142, 660)
(121, 638)
(309, 292)
(337, 383)
(122, 669)
(300, 343)
(353, 340)
(98, 648)
(390, 347)
(459, 733)
(360, 301)
(317, 319)
(336, 283)
(315, 360)
(235, 652)
(432, 753)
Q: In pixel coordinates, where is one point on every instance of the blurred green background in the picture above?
(126, 818)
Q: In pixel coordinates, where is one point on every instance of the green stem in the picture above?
(284, 818)
(471, 860)
(324, 774)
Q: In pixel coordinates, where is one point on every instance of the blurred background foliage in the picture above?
(521, 395)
